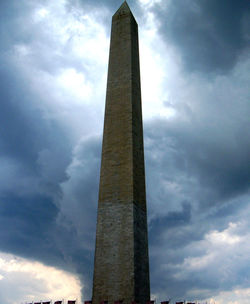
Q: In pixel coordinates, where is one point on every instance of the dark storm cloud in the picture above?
(34, 221)
(79, 204)
(29, 221)
(198, 178)
(36, 152)
(25, 134)
(222, 165)
(30, 144)
(172, 219)
(39, 151)
(209, 35)
(197, 163)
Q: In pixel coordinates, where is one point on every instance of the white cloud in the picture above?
(155, 66)
(33, 281)
(225, 237)
(65, 64)
(40, 14)
(75, 85)
(219, 247)
(235, 296)
(149, 3)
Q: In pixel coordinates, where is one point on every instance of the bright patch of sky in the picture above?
(149, 2)
(23, 280)
(74, 66)
(154, 59)
(75, 85)
(79, 36)
(236, 296)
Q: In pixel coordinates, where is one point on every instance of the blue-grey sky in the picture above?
(195, 96)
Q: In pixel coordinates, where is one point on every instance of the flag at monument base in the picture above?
(72, 302)
(48, 302)
(58, 302)
(165, 302)
(87, 302)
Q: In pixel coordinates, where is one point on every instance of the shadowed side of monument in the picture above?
(121, 270)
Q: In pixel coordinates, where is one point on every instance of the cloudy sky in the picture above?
(195, 94)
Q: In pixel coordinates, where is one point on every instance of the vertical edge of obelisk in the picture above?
(141, 259)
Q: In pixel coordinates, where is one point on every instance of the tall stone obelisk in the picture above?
(121, 270)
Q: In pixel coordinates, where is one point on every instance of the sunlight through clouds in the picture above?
(68, 65)
(40, 14)
(75, 85)
(154, 72)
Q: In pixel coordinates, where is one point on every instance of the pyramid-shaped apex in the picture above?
(123, 9)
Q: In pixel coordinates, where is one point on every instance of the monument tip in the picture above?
(123, 9)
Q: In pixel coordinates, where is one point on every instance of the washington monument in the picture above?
(121, 270)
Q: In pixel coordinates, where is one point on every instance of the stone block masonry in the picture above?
(121, 270)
